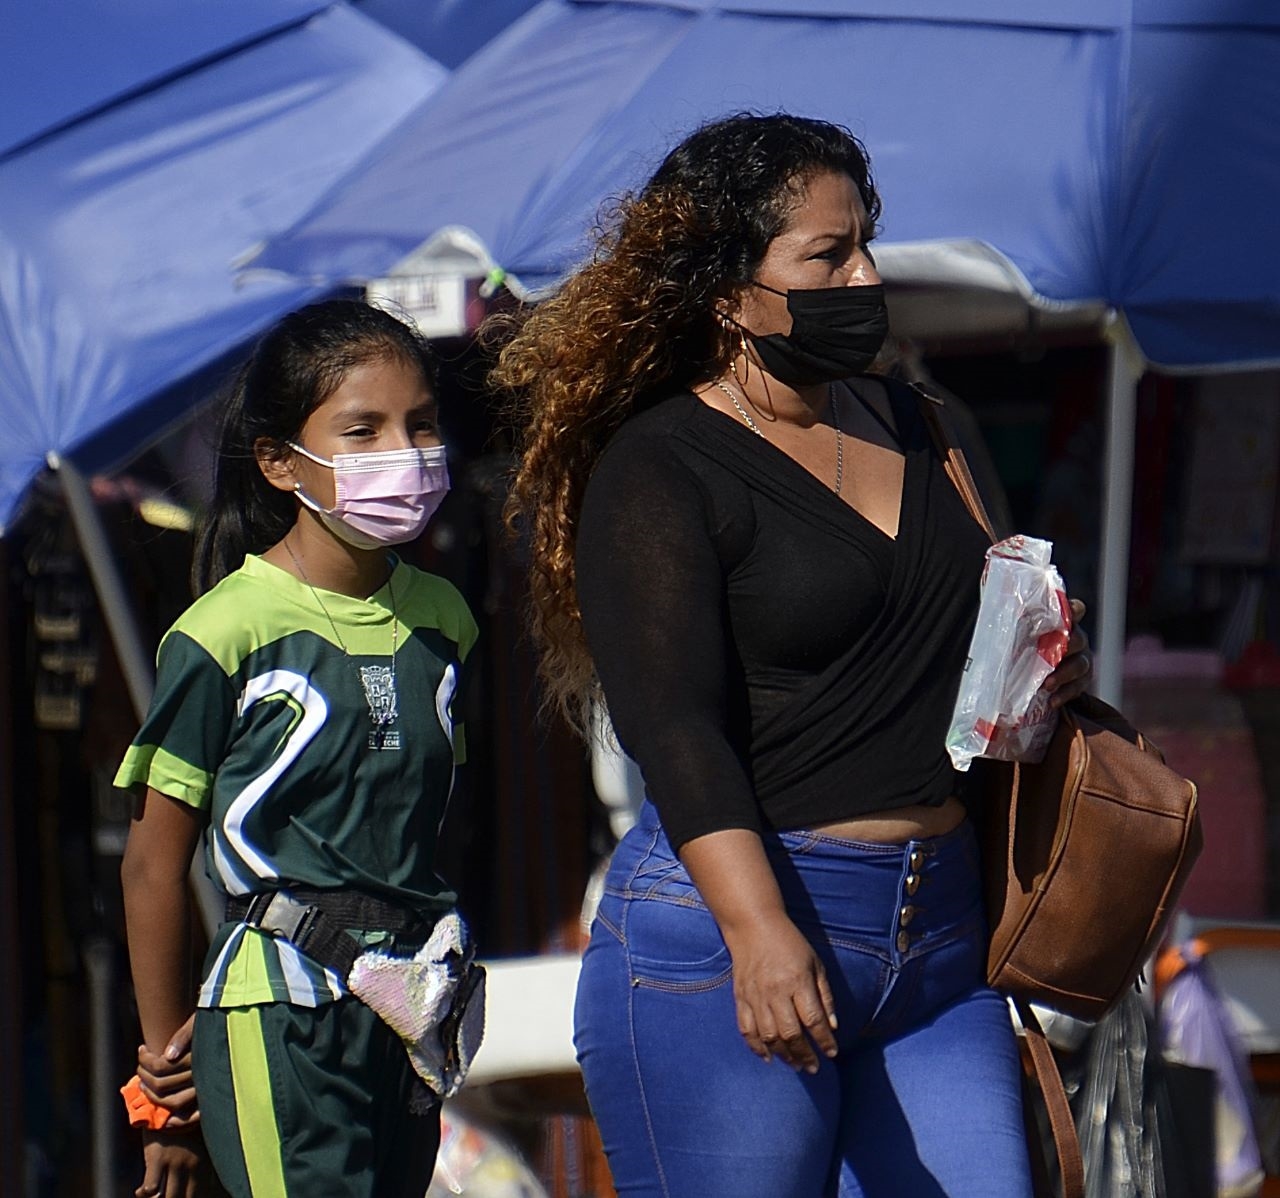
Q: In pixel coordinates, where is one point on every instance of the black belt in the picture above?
(315, 921)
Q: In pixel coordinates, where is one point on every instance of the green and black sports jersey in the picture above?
(321, 757)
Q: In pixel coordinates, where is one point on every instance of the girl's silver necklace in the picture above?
(379, 682)
(835, 420)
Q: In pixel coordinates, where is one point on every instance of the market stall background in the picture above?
(1105, 177)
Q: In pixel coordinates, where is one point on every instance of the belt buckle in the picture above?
(285, 916)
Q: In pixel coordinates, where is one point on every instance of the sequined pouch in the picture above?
(434, 1001)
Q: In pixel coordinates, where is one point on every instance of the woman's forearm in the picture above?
(784, 1003)
(736, 881)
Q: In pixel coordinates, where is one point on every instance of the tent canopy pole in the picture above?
(1125, 369)
(135, 662)
(122, 624)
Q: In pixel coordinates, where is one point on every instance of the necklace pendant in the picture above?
(380, 692)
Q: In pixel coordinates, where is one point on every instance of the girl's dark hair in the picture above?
(292, 370)
(641, 316)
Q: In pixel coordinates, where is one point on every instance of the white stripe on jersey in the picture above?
(314, 712)
(302, 987)
(218, 969)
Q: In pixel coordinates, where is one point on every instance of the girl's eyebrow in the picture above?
(368, 415)
(374, 415)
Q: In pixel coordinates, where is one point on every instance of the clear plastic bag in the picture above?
(1135, 1140)
(1024, 621)
(478, 1160)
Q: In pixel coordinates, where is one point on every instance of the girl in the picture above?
(303, 716)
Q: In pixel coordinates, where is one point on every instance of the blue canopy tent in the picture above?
(127, 204)
(127, 197)
(1110, 163)
(451, 31)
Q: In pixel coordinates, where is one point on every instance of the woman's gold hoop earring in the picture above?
(746, 362)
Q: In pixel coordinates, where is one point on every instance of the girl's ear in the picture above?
(276, 463)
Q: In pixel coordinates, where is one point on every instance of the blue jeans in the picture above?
(924, 1098)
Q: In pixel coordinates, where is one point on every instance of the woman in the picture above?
(774, 584)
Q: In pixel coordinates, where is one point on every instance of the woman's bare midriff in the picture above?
(898, 826)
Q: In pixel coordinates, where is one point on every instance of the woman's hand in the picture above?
(1074, 673)
(167, 1079)
(785, 1006)
(174, 1165)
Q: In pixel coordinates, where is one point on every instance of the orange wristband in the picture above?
(142, 1111)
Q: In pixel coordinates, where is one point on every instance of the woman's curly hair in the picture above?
(640, 318)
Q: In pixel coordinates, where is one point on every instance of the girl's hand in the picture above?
(167, 1079)
(174, 1165)
(1074, 673)
(785, 1005)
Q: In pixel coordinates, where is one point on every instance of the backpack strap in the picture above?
(1040, 1066)
(953, 460)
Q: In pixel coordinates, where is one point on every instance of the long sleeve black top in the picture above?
(770, 657)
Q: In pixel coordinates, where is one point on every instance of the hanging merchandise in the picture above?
(1197, 1030)
(1231, 475)
(62, 608)
(1136, 1139)
(478, 1162)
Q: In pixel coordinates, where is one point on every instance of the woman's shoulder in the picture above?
(896, 403)
(651, 451)
(657, 422)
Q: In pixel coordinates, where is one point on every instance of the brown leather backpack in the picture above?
(1086, 854)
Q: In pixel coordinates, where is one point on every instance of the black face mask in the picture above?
(835, 332)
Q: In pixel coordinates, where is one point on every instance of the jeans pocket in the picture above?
(672, 946)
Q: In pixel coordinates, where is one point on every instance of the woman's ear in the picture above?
(728, 305)
(276, 463)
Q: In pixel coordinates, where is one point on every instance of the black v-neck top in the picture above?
(769, 657)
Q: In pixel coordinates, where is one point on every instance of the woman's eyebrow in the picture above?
(834, 236)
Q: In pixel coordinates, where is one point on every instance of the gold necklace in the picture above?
(379, 682)
(835, 420)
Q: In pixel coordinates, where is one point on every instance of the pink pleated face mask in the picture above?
(380, 498)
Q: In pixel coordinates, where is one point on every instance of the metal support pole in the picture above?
(122, 623)
(135, 661)
(1126, 368)
(104, 1108)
